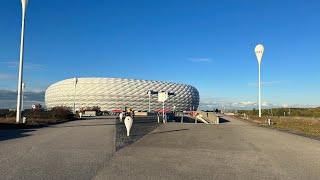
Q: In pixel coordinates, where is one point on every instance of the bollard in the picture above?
(195, 120)
(80, 114)
(24, 120)
(120, 117)
(128, 121)
(182, 118)
(164, 119)
(269, 122)
(158, 119)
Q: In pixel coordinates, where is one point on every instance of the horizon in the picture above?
(208, 45)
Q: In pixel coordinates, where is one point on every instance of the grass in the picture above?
(8, 120)
(301, 125)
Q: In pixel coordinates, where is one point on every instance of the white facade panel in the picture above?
(117, 93)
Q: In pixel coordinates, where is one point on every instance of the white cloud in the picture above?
(266, 104)
(209, 103)
(7, 77)
(264, 83)
(200, 59)
(26, 66)
(8, 98)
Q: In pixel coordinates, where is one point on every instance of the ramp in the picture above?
(200, 117)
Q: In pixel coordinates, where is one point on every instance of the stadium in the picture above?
(116, 93)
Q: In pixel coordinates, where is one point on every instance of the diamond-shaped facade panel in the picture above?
(117, 93)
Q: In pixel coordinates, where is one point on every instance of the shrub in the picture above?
(93, 108)
(61, 113)
(7, 113)
(36, 115)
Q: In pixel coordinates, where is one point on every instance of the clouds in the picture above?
(265, 83)
(8, 98)
(27, 66)
(5, 77)
(205, 105)
(210, 103)
(204, 60)
(270, 82)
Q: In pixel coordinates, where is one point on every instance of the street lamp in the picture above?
(74, 97)
(24, 6)
(23, 89)
(149, 93)
(259, 49)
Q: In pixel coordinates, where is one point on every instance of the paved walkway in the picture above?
(72, 150)
(231, 150)
(85, 149)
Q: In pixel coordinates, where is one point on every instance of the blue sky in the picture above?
(207, 44)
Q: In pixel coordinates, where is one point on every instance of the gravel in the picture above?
(141, 126)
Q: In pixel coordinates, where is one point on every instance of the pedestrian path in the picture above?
(72, 150)
(230, 150)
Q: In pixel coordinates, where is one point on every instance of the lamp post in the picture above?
(18, 116)
(149, 93)
(74, 97)
(259, 49)
(22, 99)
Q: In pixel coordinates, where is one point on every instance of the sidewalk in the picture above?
(72, 150)
(231, 150)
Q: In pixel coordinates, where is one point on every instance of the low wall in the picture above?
(145, 114)
(211, 117)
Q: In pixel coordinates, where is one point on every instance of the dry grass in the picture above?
(308, 126)
(304, 125)
(8, 120)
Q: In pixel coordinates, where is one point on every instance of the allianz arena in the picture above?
(117, 93)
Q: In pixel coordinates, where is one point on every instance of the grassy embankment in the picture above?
(299, 120)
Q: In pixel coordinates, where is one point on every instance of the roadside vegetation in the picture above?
(38, 117)
(304, 121)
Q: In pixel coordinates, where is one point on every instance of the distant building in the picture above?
(117, 93)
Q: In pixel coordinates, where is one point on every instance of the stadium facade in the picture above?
(117, 93)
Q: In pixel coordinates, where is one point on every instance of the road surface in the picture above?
(72, 150)
(230, 150)
(85, 149)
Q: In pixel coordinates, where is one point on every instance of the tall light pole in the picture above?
(74, 97)
(23, 89)
(18, 116)
(149, 93)
(259, 49)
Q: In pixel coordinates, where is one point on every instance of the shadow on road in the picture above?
(83, 125)
(222, 120)
(170, 131)
(14, 133)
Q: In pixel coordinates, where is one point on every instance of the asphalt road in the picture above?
(231, 150)
(72, 150)
(85, 149)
